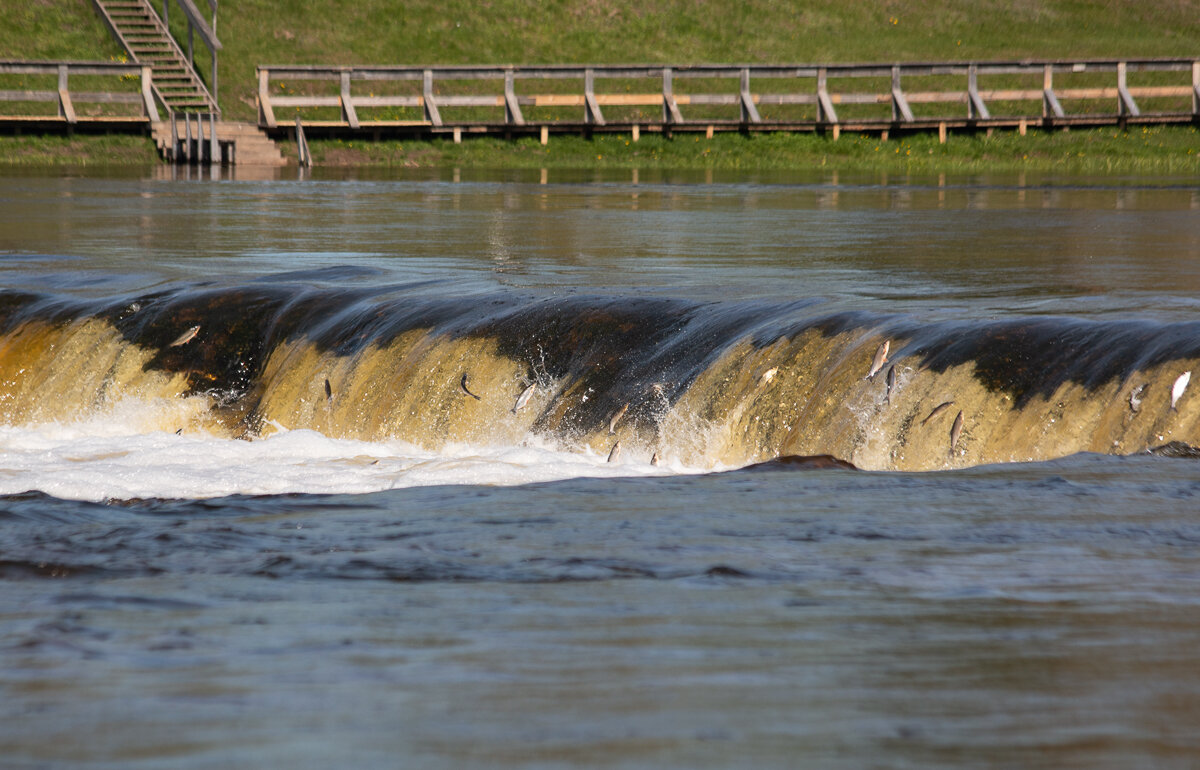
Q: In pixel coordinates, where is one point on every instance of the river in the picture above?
(267, 497)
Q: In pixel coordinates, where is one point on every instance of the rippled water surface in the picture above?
(309, 601)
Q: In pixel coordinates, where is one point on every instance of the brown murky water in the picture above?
(354, 591)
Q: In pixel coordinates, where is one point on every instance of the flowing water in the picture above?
(568, 470)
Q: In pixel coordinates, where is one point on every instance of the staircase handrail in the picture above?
(196, 23)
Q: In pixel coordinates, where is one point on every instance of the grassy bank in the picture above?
(78, 150)
(1142, 151)
(257, 32)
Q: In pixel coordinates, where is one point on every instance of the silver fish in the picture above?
(1181, 383)
(891, 384)
(1136, 396)
(615, 452)
(880, 359)
(328, 392)
(523, 399)
(955, 432)
(938, 410)
(616, 418)
(463, 384)
(186, 337)
(768, 375)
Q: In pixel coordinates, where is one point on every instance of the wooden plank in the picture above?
(1154, 92)
(789, 98)
(389, 101)
(29, 96)
(306, 101)
(629, 100)
(555, 100)
(460, 100)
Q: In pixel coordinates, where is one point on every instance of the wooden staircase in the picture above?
(241, 144)
(146, 39)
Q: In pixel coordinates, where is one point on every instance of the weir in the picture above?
(706, 385)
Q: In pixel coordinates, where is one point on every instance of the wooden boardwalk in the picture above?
(516, 100)
(120, 96)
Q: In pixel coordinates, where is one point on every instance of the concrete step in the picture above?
(252, 146)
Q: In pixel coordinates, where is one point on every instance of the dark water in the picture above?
(1008, 615)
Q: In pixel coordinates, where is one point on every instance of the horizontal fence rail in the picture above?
(731, 97)
(130, 84)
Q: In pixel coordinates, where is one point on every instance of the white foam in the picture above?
(116, 456)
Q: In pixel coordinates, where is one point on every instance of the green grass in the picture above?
(256, 32)
(78, 150)
(1158, 150)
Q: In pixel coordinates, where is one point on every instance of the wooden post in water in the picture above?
(214, 147)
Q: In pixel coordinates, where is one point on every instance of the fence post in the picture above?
(591, 107)
(148, 94)
(431, 110)
(65, 108)
(348, 113)
(512, 110)
(266, 113)
(825, 111)
(900, 106)
(749, 111)
(671, 112)
(976, 109)
(1050, 106)
(1126, 106)
(214, 146)
(1196, 90)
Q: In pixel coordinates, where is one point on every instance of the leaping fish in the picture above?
(615, 452)
(1136, 396)
(768, 375)
(891, 384)
(938, 410)
(463, 384)
(523, 399)
(1181, 383)
(654, 459)
(186, 337)
(880, 359)
(616, 418)
(328, 392)
(955, 432)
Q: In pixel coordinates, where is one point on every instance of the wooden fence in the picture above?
(127, 84)
(873, 97)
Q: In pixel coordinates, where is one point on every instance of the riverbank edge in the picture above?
(1171, 150)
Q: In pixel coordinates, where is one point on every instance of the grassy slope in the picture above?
(674, 31)
(688, 31)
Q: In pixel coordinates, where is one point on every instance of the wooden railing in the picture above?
(208, 34)
(753, 97)
(65, 99)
